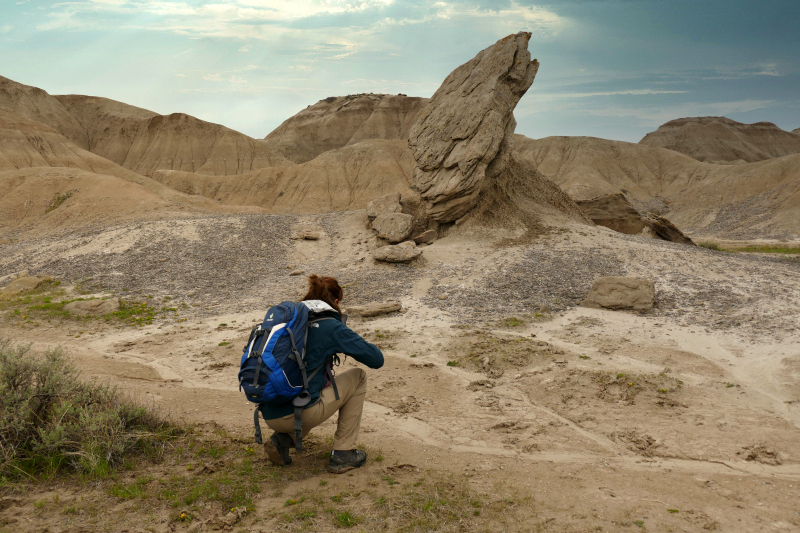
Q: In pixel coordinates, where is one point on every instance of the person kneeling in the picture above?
(325, 339)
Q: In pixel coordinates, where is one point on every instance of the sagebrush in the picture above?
(51, 421)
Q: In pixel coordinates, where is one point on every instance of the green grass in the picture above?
(761, 249)
(47, 303)
(770, 250)
(711, 246)
(60, 199)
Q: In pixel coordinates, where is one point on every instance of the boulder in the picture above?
(394, 227)
(93, 307)
(397, 253)
(24, 284)
(621, 293)
(374, 309)
(383, 206)
(426, 237)
(464, 134)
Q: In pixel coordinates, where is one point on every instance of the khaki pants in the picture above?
(352, 387)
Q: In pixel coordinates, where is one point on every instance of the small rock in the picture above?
(93, 307)
(443, 297)
(621, 293)
(397, 253)
(296, 272)
(374, 309)
(426, 237)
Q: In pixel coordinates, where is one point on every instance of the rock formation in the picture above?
(720, 139)
(796, 132)
(615, 212)
(463, 135)
(340, 121)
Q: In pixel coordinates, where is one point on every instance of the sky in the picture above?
(615, 69)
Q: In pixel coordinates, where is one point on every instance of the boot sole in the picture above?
(341, 469)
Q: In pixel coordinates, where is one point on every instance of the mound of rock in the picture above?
(463, 135)
(720, 139)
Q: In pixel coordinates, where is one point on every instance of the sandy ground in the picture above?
(601, 419)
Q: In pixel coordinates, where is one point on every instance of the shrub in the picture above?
(51, 421)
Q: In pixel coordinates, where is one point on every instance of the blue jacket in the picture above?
(326, 338)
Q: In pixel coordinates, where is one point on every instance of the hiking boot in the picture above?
(278, 449)
(342, 461)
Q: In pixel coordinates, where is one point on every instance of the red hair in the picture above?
(325, 288)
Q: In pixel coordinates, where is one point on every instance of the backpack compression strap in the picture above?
(302, 400)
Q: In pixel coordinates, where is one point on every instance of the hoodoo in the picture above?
(463, 136)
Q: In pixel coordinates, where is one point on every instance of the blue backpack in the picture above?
(273, 369)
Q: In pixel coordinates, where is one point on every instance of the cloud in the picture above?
(238, 80)
(213, 77)
(6, 28)
(657, 115)
(246, 48)
(629, 92)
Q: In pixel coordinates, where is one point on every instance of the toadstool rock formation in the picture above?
(463, 135)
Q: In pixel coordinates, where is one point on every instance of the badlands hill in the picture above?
(48, 180)
(796, 132)
(744, 200)
(720, 139)
(339, 121)
(336, 180)
(144, 141)
(36, 105)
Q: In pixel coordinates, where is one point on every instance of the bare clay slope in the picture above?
(339, 121)
(720, 139)
(336, 180)
(750, 200)
(35, 104)
(144, 141)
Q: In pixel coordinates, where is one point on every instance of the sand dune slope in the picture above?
(144, 141)
(35, 104)
(715, 139)
(337, 180)
(339, 121)
(748, 200)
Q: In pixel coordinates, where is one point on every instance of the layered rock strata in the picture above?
(463, 136)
